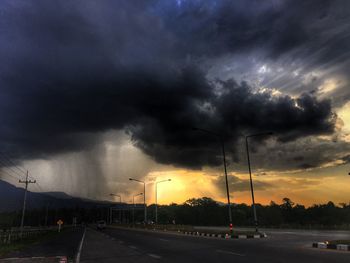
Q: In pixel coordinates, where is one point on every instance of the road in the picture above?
(123, 245)
(141, 246)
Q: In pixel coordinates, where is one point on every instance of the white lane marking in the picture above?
(154, 256)
(162, 239)
(133, 247)
(77, 259)
(229, 252)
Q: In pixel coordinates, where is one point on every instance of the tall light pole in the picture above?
(225, 170)
(120, 211)
(144, 196)
(157, 197)
(133, 207)
(250, 174)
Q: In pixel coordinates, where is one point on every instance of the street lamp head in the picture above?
(169, 179)
(130, 179)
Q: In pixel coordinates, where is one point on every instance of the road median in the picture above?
(228, 236)
(190, 230)
(343, 245)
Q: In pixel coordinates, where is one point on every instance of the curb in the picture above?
(325, 245)
(62, 259)
(225, 236)
(195, 233)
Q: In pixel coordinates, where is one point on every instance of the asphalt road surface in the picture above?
(123, 245)
(142, 246)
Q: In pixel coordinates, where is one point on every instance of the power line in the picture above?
(13, 163)
(20, 171)
(10, 164)
(31, 177)
(8, 174)
(10, 168)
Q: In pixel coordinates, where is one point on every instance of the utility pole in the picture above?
(46, 213)
(26, 182)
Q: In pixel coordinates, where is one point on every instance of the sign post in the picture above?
(59, 223)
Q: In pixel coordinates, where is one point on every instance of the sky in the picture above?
(95, 92)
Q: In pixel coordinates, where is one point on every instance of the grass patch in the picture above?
(20, 244)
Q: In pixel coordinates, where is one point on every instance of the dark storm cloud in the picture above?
(236, 112)
(303, 153)
(276, 27)
(72, 70)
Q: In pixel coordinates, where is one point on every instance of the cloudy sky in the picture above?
(95, 92)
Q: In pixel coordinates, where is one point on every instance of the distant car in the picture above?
(101, 225)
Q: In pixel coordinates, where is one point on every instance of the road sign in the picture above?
(59, 223)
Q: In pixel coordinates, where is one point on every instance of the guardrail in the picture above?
(12, 235)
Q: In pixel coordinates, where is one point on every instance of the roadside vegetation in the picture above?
(207, 212)
(6, 248)
(200, 212)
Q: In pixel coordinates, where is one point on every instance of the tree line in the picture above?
(206, 211)
(197, 211)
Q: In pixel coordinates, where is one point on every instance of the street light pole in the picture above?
(157, 197)
(144, 197)
(120, 211)
(133, 207)
(225, 170)
(226, 180)
(250, 175)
